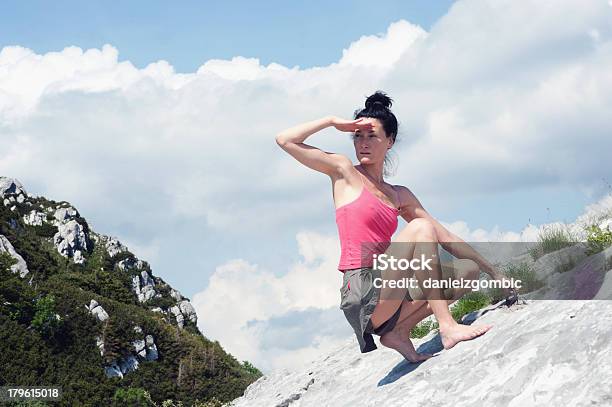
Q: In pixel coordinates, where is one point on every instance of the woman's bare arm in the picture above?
(292, 141)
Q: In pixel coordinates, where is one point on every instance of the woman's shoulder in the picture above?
(407, 198)
(401, 189)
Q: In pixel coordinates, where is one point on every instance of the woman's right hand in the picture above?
(351, 125)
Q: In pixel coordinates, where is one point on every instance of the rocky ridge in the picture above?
(72, 239)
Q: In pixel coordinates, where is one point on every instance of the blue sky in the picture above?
(188, 33)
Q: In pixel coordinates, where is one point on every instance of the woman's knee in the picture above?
(419, 228)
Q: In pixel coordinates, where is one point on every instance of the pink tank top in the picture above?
(365, 220)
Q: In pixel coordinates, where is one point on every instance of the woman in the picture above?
(366, 211)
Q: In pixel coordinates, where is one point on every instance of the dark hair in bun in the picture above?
(377, 107)
(378, 99)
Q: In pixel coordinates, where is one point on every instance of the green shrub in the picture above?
(550, 239)
(6, 262)
(45, 320)
(250, 368)
(598, 239)
(132, 397)
(423, 328)
(213, 402)
(521, 271)
(471, 301)
(45, 230)
(15, 294)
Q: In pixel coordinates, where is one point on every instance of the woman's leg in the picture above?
(460, 269)
(422, 231)
(415, 311)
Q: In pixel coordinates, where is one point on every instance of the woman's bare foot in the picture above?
(455, 333)
(405, 347)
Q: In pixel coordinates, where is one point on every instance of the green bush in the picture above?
(598, 239)
(46, 321)
(521, 271)
(45, 230)
(6, 262)
(550, 239)
(423, 328)
(471, 301)
(136, 397)
(250, 368)
(15, 294)
(213, 402)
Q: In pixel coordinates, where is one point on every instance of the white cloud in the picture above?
(383, 51)
(239, 292)
(240, 68)
(461, 229)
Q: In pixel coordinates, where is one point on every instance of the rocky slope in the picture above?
(550, 348)
(69, 284)
(540, 353)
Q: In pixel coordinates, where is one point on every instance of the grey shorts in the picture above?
(358, 299)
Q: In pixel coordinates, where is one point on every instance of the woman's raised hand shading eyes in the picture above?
(351, 125)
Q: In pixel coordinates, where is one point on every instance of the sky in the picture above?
(188, 33)
(158, 125)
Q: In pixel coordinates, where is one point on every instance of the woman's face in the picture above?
(372, 145)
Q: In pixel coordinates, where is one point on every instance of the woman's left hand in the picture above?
(510, 292)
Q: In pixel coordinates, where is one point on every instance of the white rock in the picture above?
(143, 286)
(20, 267)
(10, 186)
(129, 264)
(78, 257)
(176, 295)
(183, 310)
(35, 218)
(180, 319)
(114, 246)
(578, 282)
(146, 279)
(69, 239)
(545, 353)
(100, 344)
(139, 347)
(97, 310)
(100, 313)
(552, 262)
(188, 311)
(92, 304)
(62, 215)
